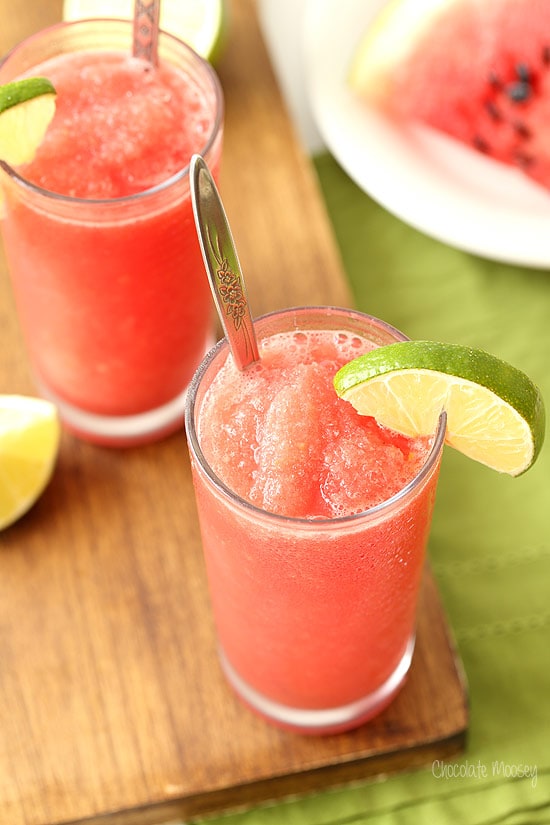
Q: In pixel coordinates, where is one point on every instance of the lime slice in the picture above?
(26, 109)
(495, 414)
(200, 23)
(29, 442)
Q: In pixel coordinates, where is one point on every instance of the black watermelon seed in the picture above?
(493, 111)
(519, 92)
(523, 73)
(481, 144)
(522, 129)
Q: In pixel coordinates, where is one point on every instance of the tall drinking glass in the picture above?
(315, 615)
(99, 234)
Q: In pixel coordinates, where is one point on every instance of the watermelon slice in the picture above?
(478, 70)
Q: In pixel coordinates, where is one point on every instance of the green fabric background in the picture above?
(490, 541)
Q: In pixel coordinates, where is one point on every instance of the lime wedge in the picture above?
(26, 109)
(495, 414)
(29, 442)
(200, 23)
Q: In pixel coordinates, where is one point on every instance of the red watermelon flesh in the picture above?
(481, 73)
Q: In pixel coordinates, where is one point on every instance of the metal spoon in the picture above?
(146, 30)
(222, 265)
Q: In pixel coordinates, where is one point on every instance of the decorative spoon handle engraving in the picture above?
(222, 265)
(146, 30)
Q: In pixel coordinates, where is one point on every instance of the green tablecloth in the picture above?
(490, 542)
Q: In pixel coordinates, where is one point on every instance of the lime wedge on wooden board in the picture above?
(29, 442)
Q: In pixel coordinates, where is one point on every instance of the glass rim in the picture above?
(294, 521)
(180, 175)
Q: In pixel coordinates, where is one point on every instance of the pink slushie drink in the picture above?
(99, 233)
(314, 523)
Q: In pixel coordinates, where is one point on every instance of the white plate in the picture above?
(428, 180)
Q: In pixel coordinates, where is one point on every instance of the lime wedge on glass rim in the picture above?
(199, 23)
(495, 413)
(29, 442)
(26, 109)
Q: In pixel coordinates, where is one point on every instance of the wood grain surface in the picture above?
(112, 705)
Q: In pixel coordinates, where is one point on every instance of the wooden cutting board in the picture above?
(112, 705)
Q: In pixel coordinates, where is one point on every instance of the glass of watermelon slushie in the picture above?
(99, 233)
(314, 523)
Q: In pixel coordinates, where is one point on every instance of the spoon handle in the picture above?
(222, 265)
(146, 30)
